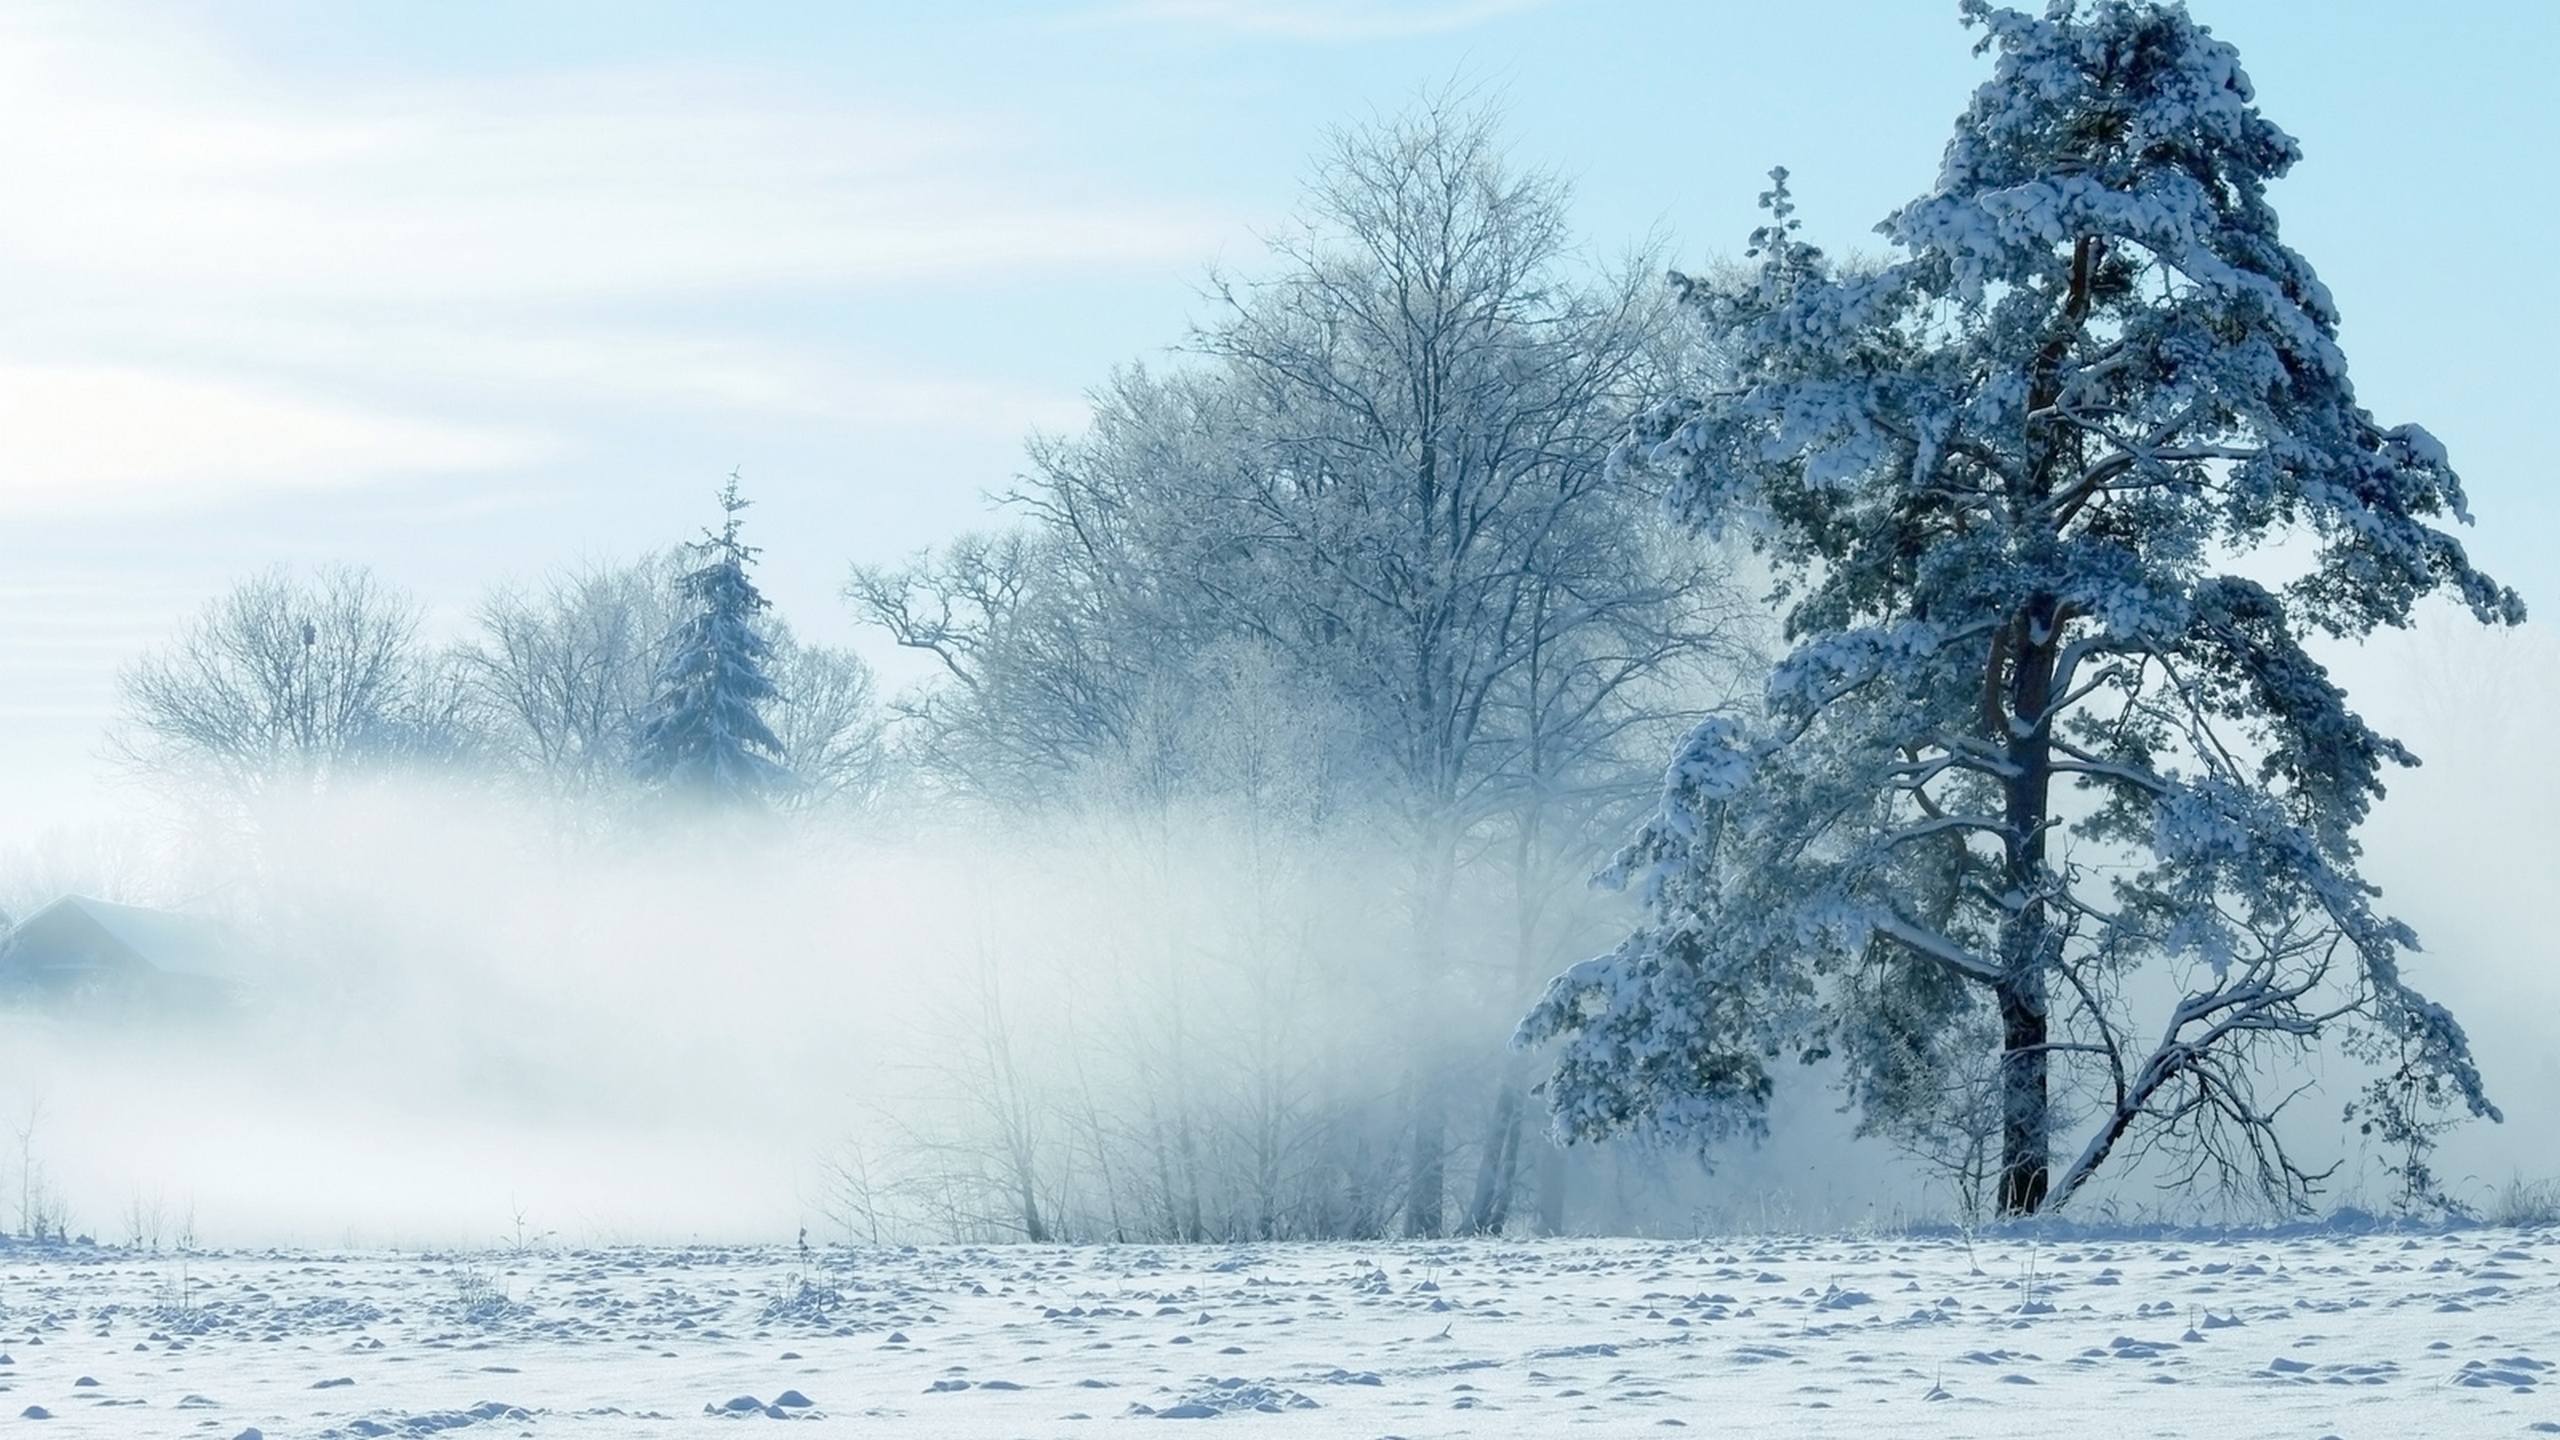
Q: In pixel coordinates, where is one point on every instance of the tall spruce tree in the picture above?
(706, 737)
(2056, 493)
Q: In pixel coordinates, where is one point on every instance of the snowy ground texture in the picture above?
(2379, 1335)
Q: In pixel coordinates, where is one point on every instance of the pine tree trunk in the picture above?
(2026, 1116)
(2026, 935)
(2031, 648)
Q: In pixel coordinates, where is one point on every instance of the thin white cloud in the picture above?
(732, 373)
(595, 364)
(162, 167)
(221, 285)
(1319, 21)
(82, 439)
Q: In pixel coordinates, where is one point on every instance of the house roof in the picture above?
(170, 943)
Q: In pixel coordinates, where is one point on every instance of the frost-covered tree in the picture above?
(565, 675)
(564, 679)
(290, 682)
(826, 714)
(1044, 662)
(706, 735)
(2059, 492)
(1418, 514)
(1385, 472)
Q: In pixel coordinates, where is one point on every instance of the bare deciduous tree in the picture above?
(1387, 472)
(827, 715)
(565, 674)
(292, 680)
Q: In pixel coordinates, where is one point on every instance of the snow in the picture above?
(2302, 1333)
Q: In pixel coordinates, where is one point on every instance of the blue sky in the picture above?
(465, 291)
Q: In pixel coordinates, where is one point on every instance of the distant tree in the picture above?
(292, 681)
(2046, 746)
(1042, 663)
(827, 716)
(565, 676)
(107, 863)
(1386, 474)
(706, 736)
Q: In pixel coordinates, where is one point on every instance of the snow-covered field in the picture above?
(2381, 1335)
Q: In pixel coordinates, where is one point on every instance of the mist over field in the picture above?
(465, 1024)
(633, 1040)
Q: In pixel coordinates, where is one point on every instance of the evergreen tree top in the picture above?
(725, 539)
(707, 734)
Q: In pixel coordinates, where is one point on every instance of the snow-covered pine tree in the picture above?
(2057, 491)
(706, 736)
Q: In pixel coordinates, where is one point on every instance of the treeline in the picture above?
(295, 680)
(1338, 639)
